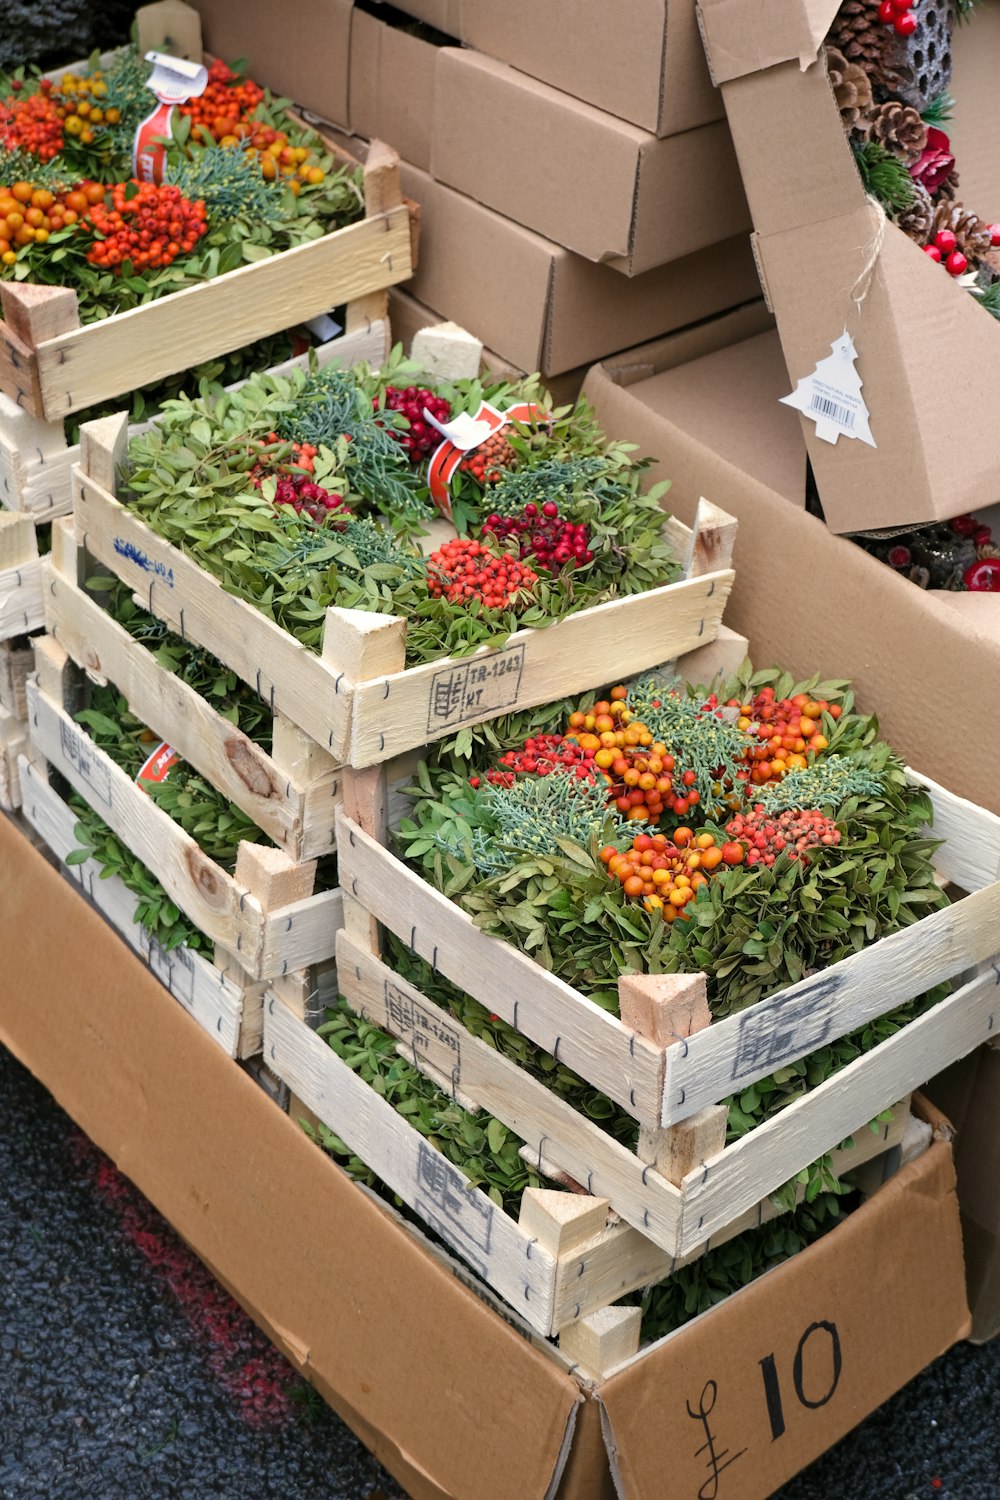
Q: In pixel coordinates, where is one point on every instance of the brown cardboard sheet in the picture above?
(299, 50)
(583, 178)
(375, 1316)
(804, 597)
(391, 87)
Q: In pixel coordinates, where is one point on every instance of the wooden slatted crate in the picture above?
(265, 915)
(51, 366)
(561, 1259)
(662, 1062)
(36, 461)
(356, 698)
(290, 793)
(21, 607)
(225, 1001)
(16, 661)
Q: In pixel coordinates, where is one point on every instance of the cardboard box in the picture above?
(300, 50)
(705, 402)
(543, 308)
(588, 180)
(831, 261)
(391, 93)
(443, 15)
(401, 1353)
(646, 65)
(970, 1094)
(407, 316)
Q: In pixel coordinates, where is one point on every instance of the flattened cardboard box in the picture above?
(705, 403)
(391, 1338)
(543, 308)
(299, 50)
(831, 261)
(596, 184)
(970, 1094)
(645, 64)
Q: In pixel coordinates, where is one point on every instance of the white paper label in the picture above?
(831, 396)
(324, 328)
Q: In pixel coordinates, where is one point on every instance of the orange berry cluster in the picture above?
(224, 114)
(150, 229)
(80, 105)
(487, 462)
(665, 874)
(31, 124)
(303, 456)
(641, 773)
(790, 833)
(787, 729)
(29, 214)
(464, 569)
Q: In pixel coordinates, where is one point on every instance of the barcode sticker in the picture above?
(832, 397)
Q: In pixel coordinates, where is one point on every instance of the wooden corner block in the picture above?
(103, 445)
(561, 1221)
(54, 669)
(18, 539)
(366, 800)
(720, 658)
(169, 26)
(37, 313)
(603, 1339)
(66, 555)
(381, 175)
(297, 754)
(712, 541)
(360, 927)
(664, 1008)
(271, 876)
(363, 645)
(675, 1150)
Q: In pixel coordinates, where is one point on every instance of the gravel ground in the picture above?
(127, 1373)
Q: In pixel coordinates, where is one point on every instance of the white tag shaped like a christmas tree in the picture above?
(831, 396)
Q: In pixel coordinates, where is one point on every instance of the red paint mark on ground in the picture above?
(251, 1371)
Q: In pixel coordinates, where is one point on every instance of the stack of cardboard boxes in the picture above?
(577, 180)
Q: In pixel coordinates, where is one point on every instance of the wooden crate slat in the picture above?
(478, 1229)
(13, 743)
(731, 1054)
(21, 605)
(295, 681)
(435, 699)
(134, 348)
(16, 663)
(773, 1152)
(220, 1006)
(970, 855)
(241, 770)
(589, 1040)
(228, 913)
(464, 1063)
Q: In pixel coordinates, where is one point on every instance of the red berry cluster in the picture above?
(899, 15)
(421, 439)
(304, 496)
(487, 462)
(542, 755)
(790, 833)
(32, 124)
(945, 250)
(543, 534)
(151, 228)
(464, 569)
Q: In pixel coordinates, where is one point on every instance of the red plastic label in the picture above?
(157, 766)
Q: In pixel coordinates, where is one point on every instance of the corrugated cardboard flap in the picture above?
(392, 1337)
(784, 1368)
(746, 36)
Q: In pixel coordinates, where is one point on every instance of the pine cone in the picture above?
(899, 129)
(948, 191)
(971, 232)
(987, 549)
(850, 86)
(916, 221)
(858, 34)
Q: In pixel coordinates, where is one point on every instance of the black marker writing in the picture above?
(716, 1461)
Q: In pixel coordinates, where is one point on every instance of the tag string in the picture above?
(859, 291)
